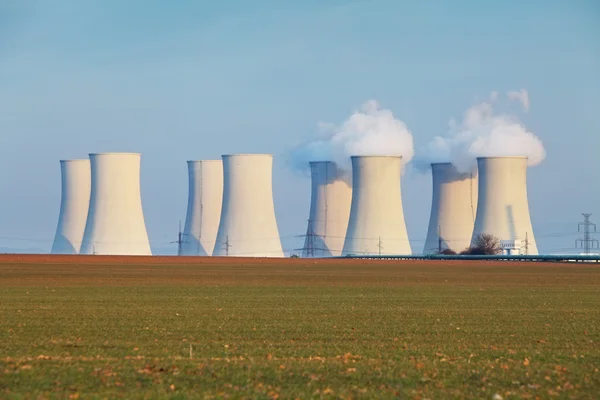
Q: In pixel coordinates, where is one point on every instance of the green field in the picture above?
(299, 330)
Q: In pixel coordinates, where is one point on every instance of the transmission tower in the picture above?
(526, 243)
(310, 241)
(226, 245)
(180, 240)
(379, 245)
(587, 243)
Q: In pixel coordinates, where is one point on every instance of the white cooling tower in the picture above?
(204, 207)
(74, 203)
(115, 223)
(331, 196)
(503, 208)
(376, 224)
(248, 227)
(453, 208)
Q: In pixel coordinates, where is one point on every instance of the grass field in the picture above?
(102, 327)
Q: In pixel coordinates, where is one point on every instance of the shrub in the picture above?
(447, 252)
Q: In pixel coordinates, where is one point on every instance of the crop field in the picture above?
(176, 327)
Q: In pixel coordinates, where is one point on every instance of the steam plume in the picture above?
(521, 96)
(370, 130)
(485, 133)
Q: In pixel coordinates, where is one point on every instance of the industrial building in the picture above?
(248, 226)
(453, 209)
(503, 208)
(205, 198)
(74, 203)
(115, 222)
(330, 199)
(376, 224)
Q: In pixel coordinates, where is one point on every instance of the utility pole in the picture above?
(526, 243)
(226, 245)
(587, 243)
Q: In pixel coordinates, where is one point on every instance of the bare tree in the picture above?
(489, 243)
(484, 245)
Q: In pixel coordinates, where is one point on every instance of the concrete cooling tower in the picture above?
(248, 227)
(453, 208)
(376, 224)
(503, 209)
(331, 196)
(74, 203)
(115, 223)
(204, 207)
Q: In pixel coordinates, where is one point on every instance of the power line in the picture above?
(588, 243)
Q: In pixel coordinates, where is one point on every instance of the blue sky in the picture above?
(196, 79)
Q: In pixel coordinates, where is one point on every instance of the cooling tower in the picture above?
(503, 209)
(74, 203)
(331, 195)
(204, 207)
(115, 223)
(376, 224)
(248, 226)
(453, 208)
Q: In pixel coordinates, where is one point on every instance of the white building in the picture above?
(74, 204)
(115, 222)
(376, 225)
(511, 247)
(331, 196)
(453, 208)
(248, 227)
(205, 198)
(503, 208)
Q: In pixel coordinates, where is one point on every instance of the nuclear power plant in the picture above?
(503, 208)
(330, 199)
(74, 202)
(453, 209)
(205, 198)
(115, 222)
(248, 226)
(376, 224)
(230, 208)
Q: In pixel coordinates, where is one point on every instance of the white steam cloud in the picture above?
(370, 130)
(521, 96)
(485, 133)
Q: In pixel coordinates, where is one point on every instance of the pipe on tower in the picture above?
(331, 196)
(205, 198)
(376, 225)
(453, 208)
(503, 208)
(74, 204)
(248, 226)
(115, 223)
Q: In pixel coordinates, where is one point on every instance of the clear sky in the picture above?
(196, 79)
